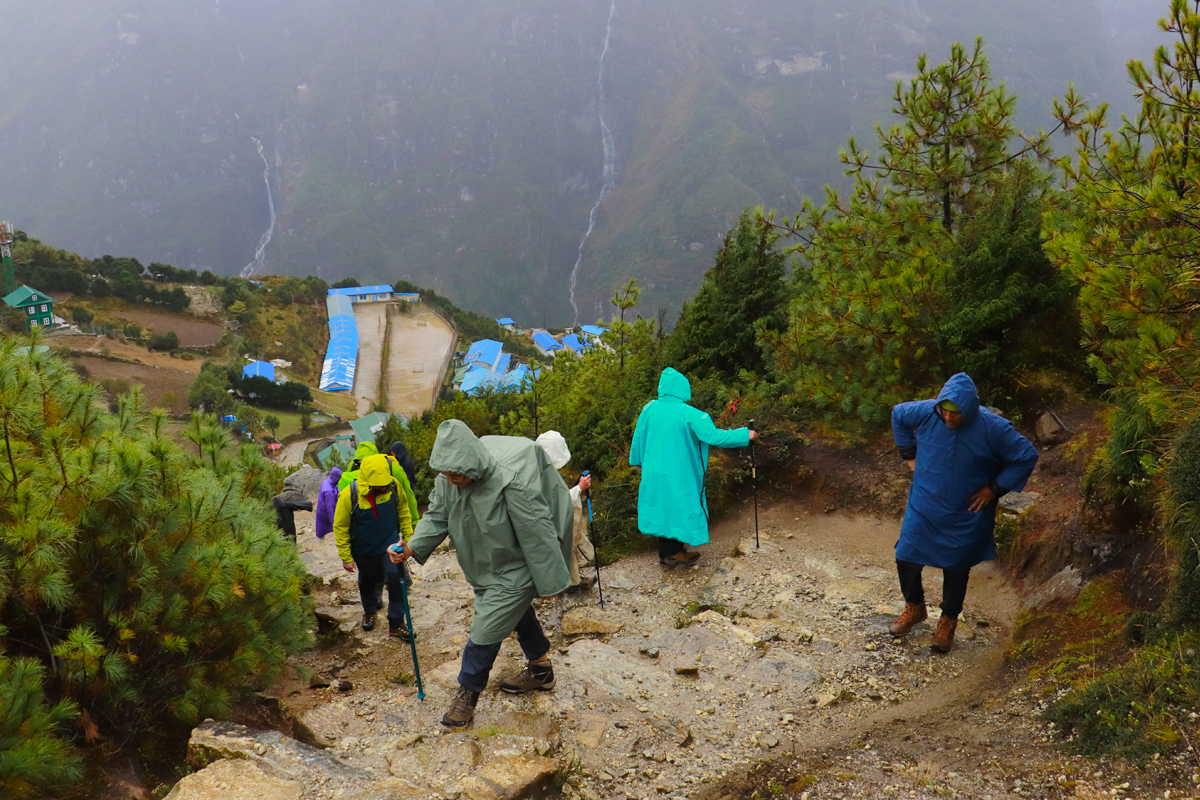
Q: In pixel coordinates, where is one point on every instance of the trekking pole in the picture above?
(412, 636)
(592, 538)
(754, 483)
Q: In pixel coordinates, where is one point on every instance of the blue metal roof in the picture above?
(341, 356)
(261, 369)
(485, 351)
(506, 321)
(572, 341)
(354, 291)
(502, 364)
(593, 330)
(546, 341)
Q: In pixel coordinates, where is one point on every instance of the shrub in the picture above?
(133, 331)
(81, 316)
(200, 601)
(167, 341)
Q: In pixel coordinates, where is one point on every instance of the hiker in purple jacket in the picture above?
(327, 502)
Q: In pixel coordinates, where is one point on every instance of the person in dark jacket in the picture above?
(286, 504)
(400, 453)
(963, 458)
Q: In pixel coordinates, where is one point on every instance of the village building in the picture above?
(38, 307)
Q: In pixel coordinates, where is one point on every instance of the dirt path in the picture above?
(371, 321)
(418, 354)
(293, 454)
(759, 670)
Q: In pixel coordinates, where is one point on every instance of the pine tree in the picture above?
(146, 579)
(742, 296)
(1128, 235)
(876, 281)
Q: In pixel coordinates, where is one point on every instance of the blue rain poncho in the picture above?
(953, 464)
(670, 444)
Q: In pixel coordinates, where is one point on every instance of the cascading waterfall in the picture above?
(609, 176)
(259, 254)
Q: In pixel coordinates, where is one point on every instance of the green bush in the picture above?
(148, 578)
(32, 757)
(166, 341)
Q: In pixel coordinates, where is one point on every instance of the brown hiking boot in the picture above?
(943, 639)
(684, 558)
(537, 676)
(913, 613)
(462, 709)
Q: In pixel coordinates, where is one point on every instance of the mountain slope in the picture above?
(458, 144)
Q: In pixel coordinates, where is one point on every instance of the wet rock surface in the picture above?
(686, 681)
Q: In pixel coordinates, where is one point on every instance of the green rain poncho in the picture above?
(511, 526)
(670, 444)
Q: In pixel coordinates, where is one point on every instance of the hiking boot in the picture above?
(399, 631)
(913, 613)
(462, 709)
(584, 585)
(943, 639)
(369, 620)
(535, 676)
(684, 558)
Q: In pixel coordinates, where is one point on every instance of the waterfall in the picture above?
(609, 176)
(259, 254)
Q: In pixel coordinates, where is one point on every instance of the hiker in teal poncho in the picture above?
(670, 444)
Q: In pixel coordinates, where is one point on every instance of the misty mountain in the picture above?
(458, 144)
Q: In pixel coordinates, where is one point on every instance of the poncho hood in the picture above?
(458, 450)
(673, 384)
(376, 471)
(366, 449)
(335, 475)
(961, 391)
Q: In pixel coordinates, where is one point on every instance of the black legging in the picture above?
(667, 548)
(954, 586)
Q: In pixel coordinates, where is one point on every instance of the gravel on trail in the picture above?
(759, 672)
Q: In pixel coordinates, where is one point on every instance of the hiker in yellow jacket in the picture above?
(371, 516)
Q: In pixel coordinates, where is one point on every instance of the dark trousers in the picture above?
(667, 548)
(478, 659)
(375, 572)
(954, 587)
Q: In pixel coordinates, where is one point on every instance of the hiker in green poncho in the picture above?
(670, 444)
(509, 514)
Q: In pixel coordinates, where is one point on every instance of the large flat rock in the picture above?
(508, 778)
(608, 670)
(235, 779)
(278, 755)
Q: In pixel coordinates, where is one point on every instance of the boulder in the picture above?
(278, 755)
(1050, 429)
(306, 481)
(324, 725)
(1018, 504)
(586, 619)
(506, 778)
(235, 779)
(1063, 585)
(344, 618)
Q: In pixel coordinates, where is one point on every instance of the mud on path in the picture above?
(765, 670)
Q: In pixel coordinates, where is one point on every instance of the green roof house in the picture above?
(38, 307)
(366, 427)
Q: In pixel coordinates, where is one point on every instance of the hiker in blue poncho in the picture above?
(963, 459)
(670, 444)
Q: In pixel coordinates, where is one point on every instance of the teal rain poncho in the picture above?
(511, 526)
(670, 444)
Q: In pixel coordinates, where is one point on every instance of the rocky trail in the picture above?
(762, 672)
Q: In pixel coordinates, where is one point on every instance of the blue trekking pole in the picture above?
(412, 635)
(592, 538)
(754, 483)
